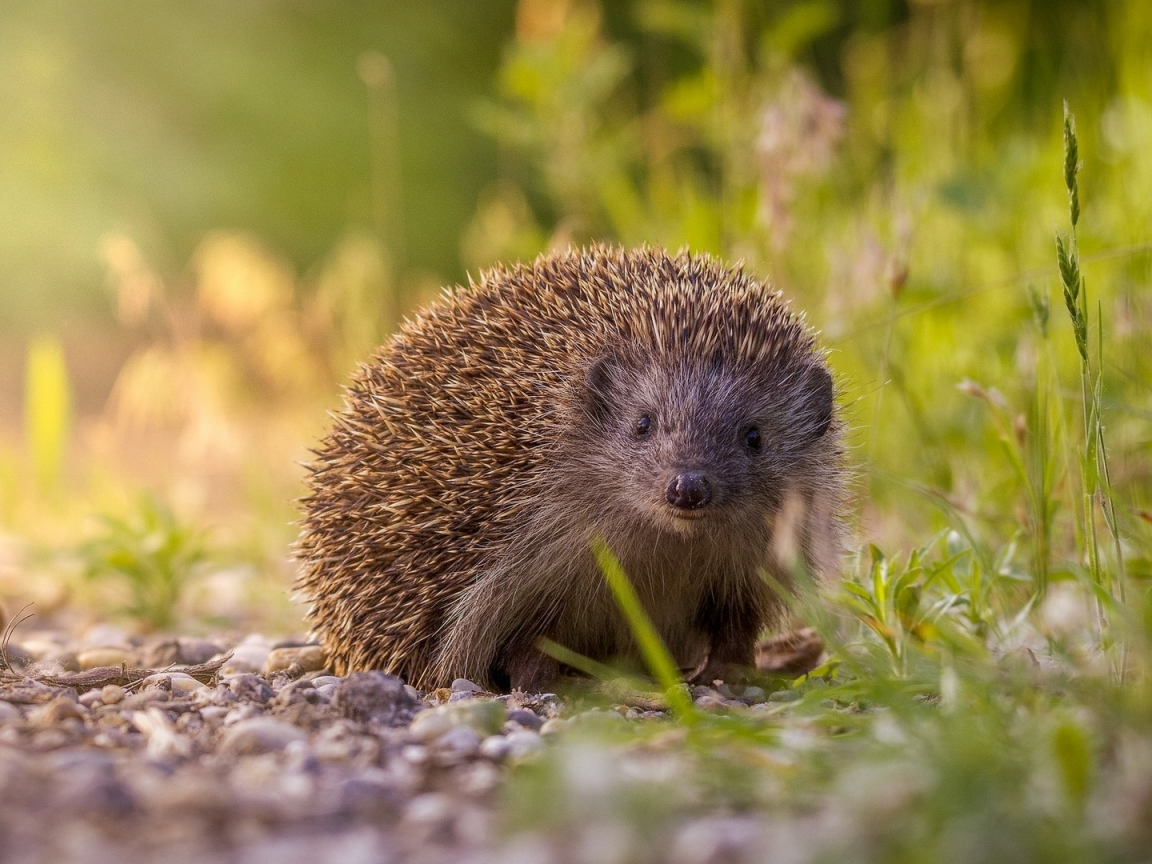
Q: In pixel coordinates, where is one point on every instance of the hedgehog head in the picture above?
(701, 445)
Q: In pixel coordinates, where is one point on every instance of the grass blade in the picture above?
(660, 662)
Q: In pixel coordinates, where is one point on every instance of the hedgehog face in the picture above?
(692, 446)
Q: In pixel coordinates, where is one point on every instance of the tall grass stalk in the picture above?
(1095, 475)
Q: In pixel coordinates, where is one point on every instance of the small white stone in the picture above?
(463, 685)
(177, 682)
(459, 741)
(495, 747)
(429, 725)
(414, 754)
(521, 744)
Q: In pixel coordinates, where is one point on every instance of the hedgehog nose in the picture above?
(689, 490)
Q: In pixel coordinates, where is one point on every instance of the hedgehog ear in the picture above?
(600, 382)
(816, 386)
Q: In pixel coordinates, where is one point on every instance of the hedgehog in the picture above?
(669, 407)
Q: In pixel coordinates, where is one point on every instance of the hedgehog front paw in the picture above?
(531, 671)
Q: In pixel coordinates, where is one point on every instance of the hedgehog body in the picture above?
(669, 406)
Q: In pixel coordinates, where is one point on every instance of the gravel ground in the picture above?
(267, 757)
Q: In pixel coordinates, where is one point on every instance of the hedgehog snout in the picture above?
(689, 490)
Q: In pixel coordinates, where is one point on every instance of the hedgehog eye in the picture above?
(752, 438)
(643, 425)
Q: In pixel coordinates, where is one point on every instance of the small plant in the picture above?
(152, 557)
(1096, 480)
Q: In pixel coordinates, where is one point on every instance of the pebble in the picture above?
(521, 744)
(463, 685)
(59, 709)
(515, 745)
(250, 688)
(478, 779)
(310, 658)
(174, 682)
(524, 717)
(374, 697)
(414, 754)
(459, 742)
(429, 725)
(180, 766)
(711, 703)
(249, 655)
(748, 695)
(783, 696)
(430, 816)
(485, 716)
(495, 747)
(259, 735)
(179, 652)
(94, 658)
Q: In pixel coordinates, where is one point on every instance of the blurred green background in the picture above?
(210, 211)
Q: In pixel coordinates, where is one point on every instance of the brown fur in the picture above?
(452, 504)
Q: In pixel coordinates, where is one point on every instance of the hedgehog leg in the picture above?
(530, 669)
(732, 628)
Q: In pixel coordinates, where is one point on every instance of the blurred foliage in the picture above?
(165, 121)
(46, 412)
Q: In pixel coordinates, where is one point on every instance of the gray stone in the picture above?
(783, 696)
(374, 697)
(250, 688)
(524, 717)
(458, 742)
(179, 652)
